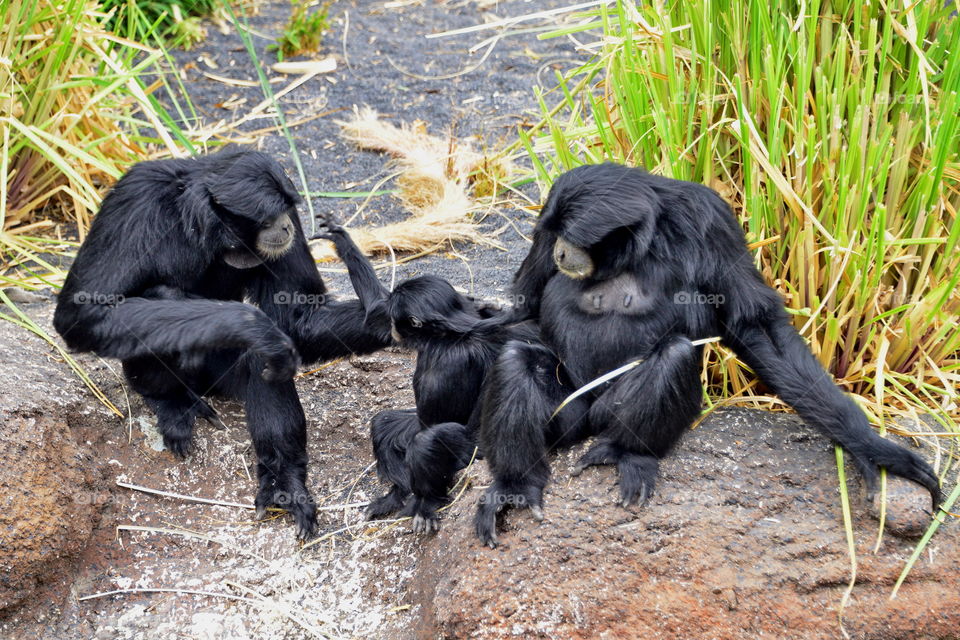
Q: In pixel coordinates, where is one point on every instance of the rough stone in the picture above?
(743, 538)
(48, 504)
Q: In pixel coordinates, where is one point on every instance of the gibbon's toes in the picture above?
(297, 502)
(210, 415)
(425, 524)
(281, 369)
(638, 476)
(180, 447)
(602, 452)
(485, 520)
(384, 505)
(305, 517)
(487, 532)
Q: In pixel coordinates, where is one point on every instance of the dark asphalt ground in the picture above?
(384, 61)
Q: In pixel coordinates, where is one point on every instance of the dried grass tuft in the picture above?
(434, 178)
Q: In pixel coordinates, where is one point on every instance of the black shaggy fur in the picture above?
(669, 265)
(457, 343)
(152, 286)
(419, 451)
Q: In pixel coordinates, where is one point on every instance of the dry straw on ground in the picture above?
(433, 178)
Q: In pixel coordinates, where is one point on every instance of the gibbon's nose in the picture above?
(287, 228)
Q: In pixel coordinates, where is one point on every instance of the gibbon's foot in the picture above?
(297, 501)
(390, 502)
(498, 497)
(638, 474)
(601, 452)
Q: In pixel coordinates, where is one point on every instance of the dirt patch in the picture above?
(346, 585)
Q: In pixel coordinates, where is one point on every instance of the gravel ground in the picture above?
(385, 61)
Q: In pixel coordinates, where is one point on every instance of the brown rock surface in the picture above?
(48, 503)
(744, 538)
(48, 499)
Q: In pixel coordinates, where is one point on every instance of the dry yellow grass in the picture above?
(434, 180)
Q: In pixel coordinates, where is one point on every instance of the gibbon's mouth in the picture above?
(247, 258)
(273, 250)
(582, 274)
(572, 261)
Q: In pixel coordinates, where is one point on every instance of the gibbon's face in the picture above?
(276, 237)
(604, 259)
(251, 242)
(602, 219)
(572, 261)
(406, 313)
(256, 206)
(424, 306)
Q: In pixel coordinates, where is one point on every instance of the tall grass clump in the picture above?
(833, 130)
(304, 29)
(74, 114)
(178, 22)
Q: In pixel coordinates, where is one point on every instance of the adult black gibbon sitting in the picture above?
(627, 265)
(160, 283)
